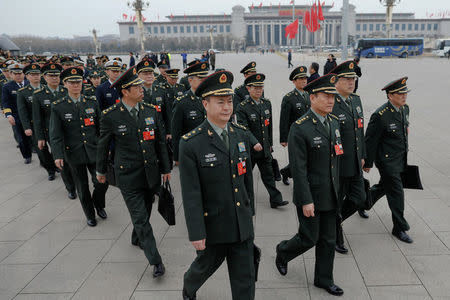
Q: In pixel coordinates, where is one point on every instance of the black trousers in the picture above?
(265, 167)
(139, 203)
(319, 231)
(88, 201)
(25, 142)
(241, 268)
(45, 158)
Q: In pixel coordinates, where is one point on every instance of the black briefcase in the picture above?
(166, 205)
(369, 201)
(256, 259)
(276, 170)
(110, 174)
(411, 178)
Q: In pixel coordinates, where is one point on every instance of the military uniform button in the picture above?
(238, 204)
(85, 142)
(212, 165)
(82, 126)
(234, 175)
(231, 161)
(67, 147)
(143, 151)
(84, 133)
(139, 130)
(386, 155)
(81, 118)
(121, 167)
(142, 141)
(145, 161)
(235, 190)
(205, 214)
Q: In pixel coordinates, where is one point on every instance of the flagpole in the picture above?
(344, 31)
(293, 17)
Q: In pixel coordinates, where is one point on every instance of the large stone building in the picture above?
(264, 26)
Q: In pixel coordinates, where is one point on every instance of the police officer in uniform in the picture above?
(107, 96)
(188, 110)
(241, 92)
(315, 146)
(42, 100)
(294, 105)
(387, 145)
(140, 159)
(9, 103)
(24, 106)
(255, 113)
(217, 190)
(74, 132)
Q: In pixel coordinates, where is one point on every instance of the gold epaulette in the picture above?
(333, 116)
(192, 133)
(37, 91)
(58, 101)
(22, 89)
(149, 105)
(381, 112)
(239, 126)
(300, 121)
(354, 94)
(107, 110)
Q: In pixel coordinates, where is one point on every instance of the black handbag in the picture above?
(368, 204)
(166, 205)
(411, 178)
(256, 259)
(110, 174)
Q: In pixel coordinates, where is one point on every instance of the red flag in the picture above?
(171, 16)
(125, 16)
(291, 30)
(320, 14)
(252, 7)
(307, 21)
(314, 18)
(292, 2)
(260, 4)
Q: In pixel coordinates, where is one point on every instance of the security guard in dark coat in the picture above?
(387, 145)
(255, 113)
(217, 190)
(107, 96)
(24, 106)
(74, 132)
(349, 111)
(140, 158)
(42, 100)
(241, 92)
(294, 105)
(315, 146)
(188, 110)
(9, 103)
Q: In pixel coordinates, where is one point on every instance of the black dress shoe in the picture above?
(282, 266)
(332, 289)
(363, 214)
(341, 249)
(72, 195)
(102, 213)
(187, 297)
(159, 270)
(402, 236)
(27, 160)
(51, 176)
(284, 176)
(277, 204)
(92, 222)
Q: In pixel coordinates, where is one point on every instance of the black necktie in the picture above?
(224, 136)
(134, 114)
(349, 103)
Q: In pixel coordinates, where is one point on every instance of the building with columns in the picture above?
(265, 26)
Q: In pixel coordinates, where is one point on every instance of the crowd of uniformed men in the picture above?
(100, 116)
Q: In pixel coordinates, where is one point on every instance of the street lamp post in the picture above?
(139, 6)
(389, 8)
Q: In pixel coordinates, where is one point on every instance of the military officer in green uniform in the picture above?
(140, 158)
(161, 78)
(349, 111)
(66, 62)
(241, 92)
(184, 81)
(294, 105)
(4, 78)
(24, 107)
(315, 146)
(387, 145)
(42, 100)
(94, 79)
(217, 190)
(74, 132)
(90, 62)
(188, 110)
(255, 113)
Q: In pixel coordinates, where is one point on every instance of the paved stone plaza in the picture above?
(48, 252)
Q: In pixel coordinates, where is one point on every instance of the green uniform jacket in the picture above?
(387, 138)
(352, 130)
(185, 82)
(88, 90)
(258, 119)
(74, 129)
(157, 97)
(240, 94)
(42, 100)
(218, 202)
(24, 106)
(159, 79)
(3, 80)
(172, 93)
(140, 149)
(314, 163)
(293, 106)
(188, 113)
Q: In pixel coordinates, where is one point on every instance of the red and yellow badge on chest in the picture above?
(242, 167)
(148, 134)
(360, 123)
(266, 122)
(89, 121)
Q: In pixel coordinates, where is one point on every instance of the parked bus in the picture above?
(442, 47)
(400, 47)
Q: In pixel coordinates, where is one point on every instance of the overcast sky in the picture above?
(65, 18)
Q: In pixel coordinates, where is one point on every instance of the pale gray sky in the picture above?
(65, 18)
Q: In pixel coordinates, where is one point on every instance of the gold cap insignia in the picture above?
(258, 77)
(223, 78)
(301, 69)
(115, 63)
(351, 65)
(333, 79)
(253, 64)
(16, 66)
(134, 71)
(33, 67)
(404, 81)
(203, 66)
(74, 71)
(52, 67)
(146, 63)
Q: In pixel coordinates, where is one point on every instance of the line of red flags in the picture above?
(311, 20)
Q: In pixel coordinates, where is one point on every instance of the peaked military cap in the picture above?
(94, 74)
(4, 66)
(172, 73)
(255, 80)
(397, 86)
(299, 72)
(124, 67)
(250, 67)
(145, 66)
(113, 65)
(345, 69)
(323, 84)
(127, 79)
(66, 60)
(117, 58)
(15, 68)
(196, 60)
(199, 69)
(51, 68)
(78, 63)
(42, 60)
(162, 64)
(72, 74)
(32, 68)
(217, 84)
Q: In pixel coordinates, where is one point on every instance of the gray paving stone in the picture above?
(6, 248)
(13, 278)
(65, 296)
(160, 295)
(124, 251)
(445, 238)
(282, 294)
(406, 292)
(434, 272)
(70, 268)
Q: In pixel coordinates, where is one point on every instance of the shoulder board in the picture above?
(93, 98)
(290, 93)
(37, 91)
(300, 121)
(192, 133)
(239, 126)
(111, 108)
(354, 94)
(58, 101)
(149, 105)
(22, 89)
(383, 110)
(333, 116)
(179, 98)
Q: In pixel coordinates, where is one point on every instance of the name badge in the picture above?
(193, 113)
(242, 168)
(68, 116)
(241, 147)
(88, 121)
(30, 98)
(338, 149)
(342, 117)
(158, 99)
(360, 123)
(148, 134)
(210, 157)
(122, 128)
(13, 92)
(46, 102)
(108, 95)
(149, 121)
